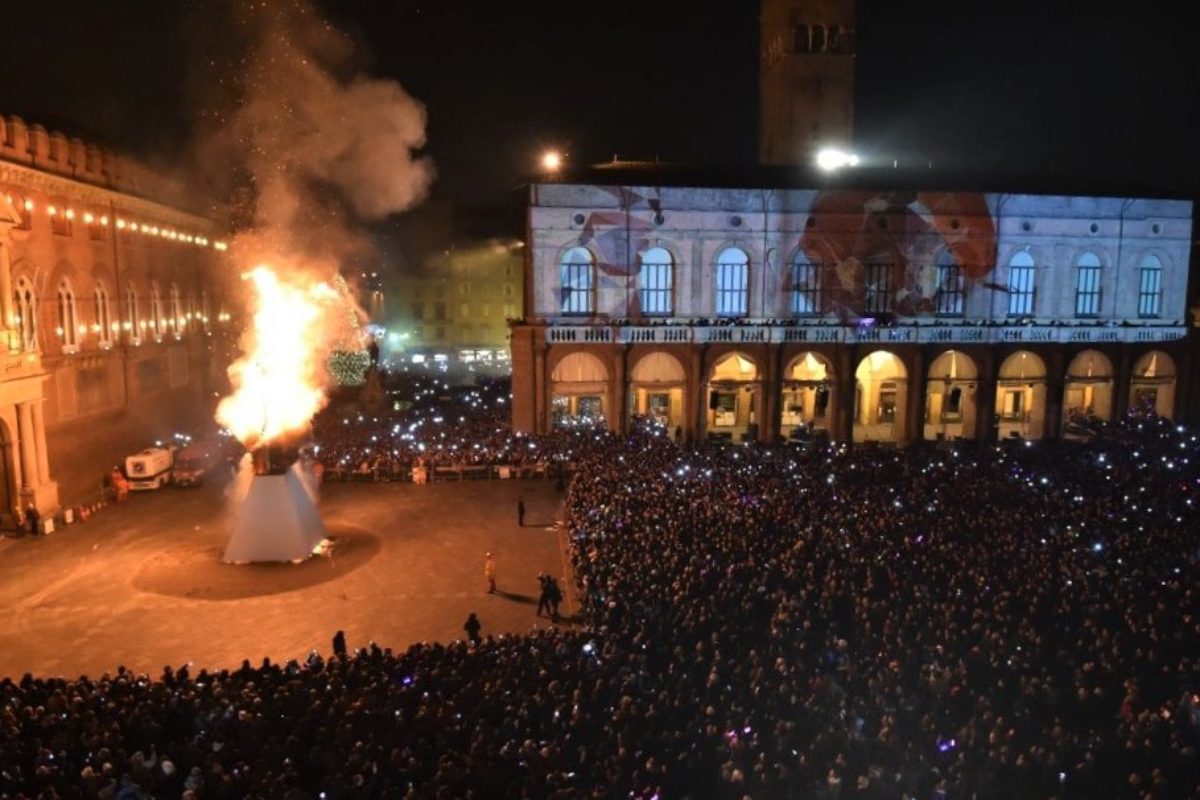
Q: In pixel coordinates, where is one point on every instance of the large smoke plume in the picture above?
(314, 145)
(309, 148)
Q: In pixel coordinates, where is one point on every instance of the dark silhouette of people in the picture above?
(472, 627)
(544, 594)
(554, 595)
(339, 644)
(34, 519)
(521, 513)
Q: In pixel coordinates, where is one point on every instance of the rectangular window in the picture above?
(60, 223)
(654, 279)
(418, 312)
(1150, 292)
(1014, 404)
(1020, 291)
(950, 290)
(879, 289)
(576, 288)
(439, 311)
(1087, 292)
(806, 289)
(887, 403)
(731, 289)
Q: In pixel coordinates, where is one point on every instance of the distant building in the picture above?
(888, 315)
(463, 300)
(806, 77)
(109, 303)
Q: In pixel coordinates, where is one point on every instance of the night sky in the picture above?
(1036, 88)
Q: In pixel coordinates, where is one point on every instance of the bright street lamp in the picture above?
(551, 160)
(831, 158)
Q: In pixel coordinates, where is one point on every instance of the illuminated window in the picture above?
(1021, 285)
(156, 312)
(655, 281)
(103, 321)
(67, 334)
(950, 292)
(577, 282)
(61, 221)
(1087, 286)
(806, 286)
(176, 321)
(878, 298)
(24, 208)
(1150, 288)
(733, 282)
(25, 305)
(132, 323)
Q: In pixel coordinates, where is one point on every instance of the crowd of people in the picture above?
(435, 426)
(960, 623)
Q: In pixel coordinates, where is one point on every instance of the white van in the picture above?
(149, 469)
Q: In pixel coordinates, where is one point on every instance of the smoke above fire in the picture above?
(313, 148)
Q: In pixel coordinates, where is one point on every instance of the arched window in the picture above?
(1150, 287)
(1087, 286)
(656, 281)
(800, 39)
(818, 39)
(733, 282)
(67, 332)
(133, 325)
(1021, 284)
(878, 288)
(177, 320)
(25, 304)
(950, 291)
(577, 282)
(104, 324)
(806, 286)
(24, 208)
(156, 312)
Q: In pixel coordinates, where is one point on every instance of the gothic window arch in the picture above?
(157, 323)
(176, 322)
(25, 305)
(68, 332)
(104, 323)
(133, 325)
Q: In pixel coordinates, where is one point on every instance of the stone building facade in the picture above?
(885, 316)
(806, 77)
(110, 304)
(461, 301)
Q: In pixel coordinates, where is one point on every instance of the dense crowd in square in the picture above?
(830, 622)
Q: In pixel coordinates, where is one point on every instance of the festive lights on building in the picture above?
(124, 224)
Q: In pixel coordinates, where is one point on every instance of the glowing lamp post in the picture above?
(830, 159)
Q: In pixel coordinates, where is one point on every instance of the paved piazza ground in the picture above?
(140, 583)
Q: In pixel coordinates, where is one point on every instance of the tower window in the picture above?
(800, 39)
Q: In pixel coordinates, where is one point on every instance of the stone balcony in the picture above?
(767, 333)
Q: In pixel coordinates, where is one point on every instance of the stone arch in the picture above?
(881, 398)
(808, 393)
(1087, 392)
(1152, 384)
(658, 389)
(734, 398)
(10, 484)
(578, 390)
(951, 410)
(1021, 396)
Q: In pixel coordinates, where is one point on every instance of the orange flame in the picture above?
(279, 382)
